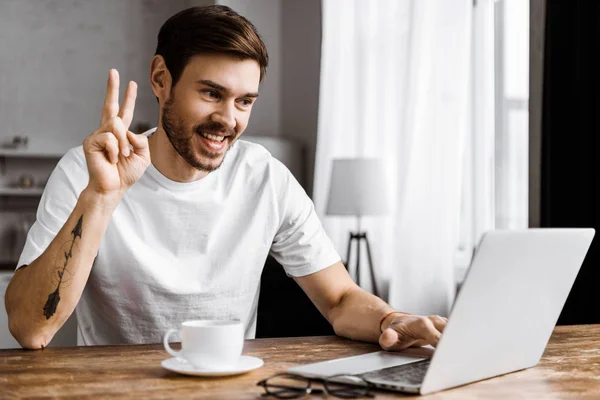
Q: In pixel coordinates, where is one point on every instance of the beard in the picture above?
(181, 139)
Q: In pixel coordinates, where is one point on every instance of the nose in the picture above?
(225, 115)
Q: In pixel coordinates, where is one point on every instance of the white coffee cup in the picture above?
(209, 344)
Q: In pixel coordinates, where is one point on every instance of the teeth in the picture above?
(213, 137)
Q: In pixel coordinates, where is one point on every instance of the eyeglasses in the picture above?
(289, 386)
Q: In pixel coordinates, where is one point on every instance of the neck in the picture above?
(168, 161)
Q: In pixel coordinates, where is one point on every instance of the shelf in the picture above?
(6, 265)
(26, 153)
(29, 192)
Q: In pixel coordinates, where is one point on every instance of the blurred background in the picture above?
(442, 99)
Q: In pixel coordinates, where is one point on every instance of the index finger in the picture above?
(111, 102)
(416, 332)
(429, 332)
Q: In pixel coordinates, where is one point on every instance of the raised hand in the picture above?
(115, 156)
(412, 330)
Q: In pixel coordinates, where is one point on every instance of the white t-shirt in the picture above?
(177, 251)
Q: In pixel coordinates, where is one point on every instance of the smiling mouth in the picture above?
(211, 136)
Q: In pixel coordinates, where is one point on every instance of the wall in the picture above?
(54, 60)
(301, 70)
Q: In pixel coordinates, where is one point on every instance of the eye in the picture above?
(247, 102)
(212, 94)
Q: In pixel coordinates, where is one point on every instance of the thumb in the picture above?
(138, 141)
(388, 338)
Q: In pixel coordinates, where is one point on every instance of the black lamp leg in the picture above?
(348, 252)
(358, 237)
(371, 268)
(357, 260)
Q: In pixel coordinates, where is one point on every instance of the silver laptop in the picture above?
(501, 320)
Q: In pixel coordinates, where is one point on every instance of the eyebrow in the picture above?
(216, 86)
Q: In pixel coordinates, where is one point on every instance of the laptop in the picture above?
(501, 321)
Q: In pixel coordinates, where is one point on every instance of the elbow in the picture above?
(21, 324)
(338, 330)
(344, 329)
(27, 338)
(31, 341)
(337, 317)
(32, 344)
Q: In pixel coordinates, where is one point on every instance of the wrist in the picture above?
(388, 318)
(107, 201)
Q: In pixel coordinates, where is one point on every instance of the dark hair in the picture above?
(209, 29)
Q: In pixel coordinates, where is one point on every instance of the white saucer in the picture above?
(246, 364)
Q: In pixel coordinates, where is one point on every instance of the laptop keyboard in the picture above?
(411, 374)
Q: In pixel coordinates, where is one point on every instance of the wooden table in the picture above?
(570, 368)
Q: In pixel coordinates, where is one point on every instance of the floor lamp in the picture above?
(357, 188)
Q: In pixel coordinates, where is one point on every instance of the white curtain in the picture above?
(395, 85)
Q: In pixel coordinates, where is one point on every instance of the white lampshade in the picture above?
(357, 187)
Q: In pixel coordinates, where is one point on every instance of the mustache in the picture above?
(214, 128)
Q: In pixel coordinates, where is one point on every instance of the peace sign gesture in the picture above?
(115, 156)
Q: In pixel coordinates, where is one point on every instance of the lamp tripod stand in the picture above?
(359, 236)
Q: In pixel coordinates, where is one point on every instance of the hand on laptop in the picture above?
(400, 331)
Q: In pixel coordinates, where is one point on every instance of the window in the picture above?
(495, 188)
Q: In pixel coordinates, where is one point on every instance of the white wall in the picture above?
(55, 57)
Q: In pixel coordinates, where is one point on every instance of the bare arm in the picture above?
(356, 314)
(353, 312)
(42, 295)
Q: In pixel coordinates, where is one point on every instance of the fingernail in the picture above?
(126, 151)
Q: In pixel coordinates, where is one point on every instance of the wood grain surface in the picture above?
(570, 368)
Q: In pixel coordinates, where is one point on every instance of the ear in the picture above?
(160, 78)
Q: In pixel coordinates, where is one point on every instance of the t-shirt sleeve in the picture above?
(60, 196)
(301, 244)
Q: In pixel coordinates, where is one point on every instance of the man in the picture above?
(142, 232)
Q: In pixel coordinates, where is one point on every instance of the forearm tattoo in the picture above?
(54, 297)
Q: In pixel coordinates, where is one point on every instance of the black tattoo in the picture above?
(54, 297)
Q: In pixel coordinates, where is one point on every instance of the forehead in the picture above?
(237, 75)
